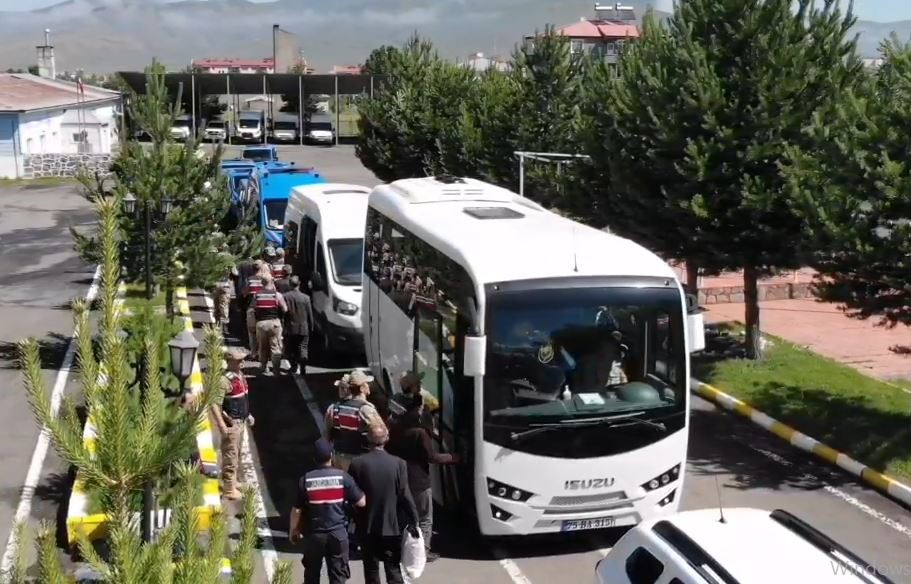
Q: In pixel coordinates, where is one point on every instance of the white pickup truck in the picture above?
(732, 546)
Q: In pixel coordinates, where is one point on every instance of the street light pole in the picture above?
(148, 495)
(130, 207)
(148, 244)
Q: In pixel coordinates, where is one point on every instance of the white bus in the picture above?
(558, 354)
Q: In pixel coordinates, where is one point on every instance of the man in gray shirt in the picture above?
(298, 326)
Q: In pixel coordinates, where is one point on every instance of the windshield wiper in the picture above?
(628, 418)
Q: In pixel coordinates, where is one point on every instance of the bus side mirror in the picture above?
(475, 356)
(695, 324)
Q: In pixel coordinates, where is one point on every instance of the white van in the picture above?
(733, 546)
(324, 235)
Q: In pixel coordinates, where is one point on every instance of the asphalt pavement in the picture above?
(41, 275)
(335, 163)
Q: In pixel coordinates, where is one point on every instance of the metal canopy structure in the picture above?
(559, 158)
(198, 85)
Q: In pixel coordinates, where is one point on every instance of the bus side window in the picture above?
(427, 349)
(642, 567)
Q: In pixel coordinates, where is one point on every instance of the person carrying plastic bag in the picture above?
(414, 555)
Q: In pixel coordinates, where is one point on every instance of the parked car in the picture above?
(731, 546)
(320, 130)
(285, 128)
(251, 126)
(182, 127)
(217, 131)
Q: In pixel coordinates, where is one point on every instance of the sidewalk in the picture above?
(825, 330)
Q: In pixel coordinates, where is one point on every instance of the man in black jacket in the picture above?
(384, 480)
(298, 326)
(410, 440)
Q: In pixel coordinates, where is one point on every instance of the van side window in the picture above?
(308, 243)
(642, 567)
(321, 263)
(292, 237)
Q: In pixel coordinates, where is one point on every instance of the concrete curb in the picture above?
(78, 519)
(208, 457)
(877, 480)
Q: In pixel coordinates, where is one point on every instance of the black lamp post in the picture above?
(183, 349)
(129, 207)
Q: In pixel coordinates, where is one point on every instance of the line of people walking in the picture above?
(278, 316)
(374, 474)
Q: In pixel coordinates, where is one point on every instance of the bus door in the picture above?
(430, 360)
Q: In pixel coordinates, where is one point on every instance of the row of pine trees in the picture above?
(736, 135)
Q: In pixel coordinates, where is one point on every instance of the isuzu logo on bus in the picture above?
(588, 484)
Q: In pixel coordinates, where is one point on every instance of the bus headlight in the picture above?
(504, 491)
(342, 307)
(663, 479)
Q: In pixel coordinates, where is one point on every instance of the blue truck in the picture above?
(275, 183)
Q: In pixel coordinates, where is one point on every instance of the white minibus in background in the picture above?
(324, 231)
(558, 354)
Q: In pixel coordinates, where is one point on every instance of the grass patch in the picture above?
(135, 297)
(865, 418)
(36, 183)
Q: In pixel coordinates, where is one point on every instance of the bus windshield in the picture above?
(275, 213)
(347, 256)
(573, 360)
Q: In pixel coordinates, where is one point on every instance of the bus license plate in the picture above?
(580, 524)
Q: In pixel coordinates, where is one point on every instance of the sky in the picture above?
(878, 10)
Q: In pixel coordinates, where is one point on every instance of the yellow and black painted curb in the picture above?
(208, 457)
(94, 526)
(879, 481)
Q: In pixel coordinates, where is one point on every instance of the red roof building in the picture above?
(266, 65)
(347, 70)
(604, 35)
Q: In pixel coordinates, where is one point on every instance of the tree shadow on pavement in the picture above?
(51, 350)
(284, 434)
(747, 457)
(851, 424)
(55, 490)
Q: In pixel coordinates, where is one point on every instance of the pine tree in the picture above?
(394, 122)
(137, 440)
(548, 78)
(189, 242)
(698, 122)
(854, 184)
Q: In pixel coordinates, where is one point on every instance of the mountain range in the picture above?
(106, 35)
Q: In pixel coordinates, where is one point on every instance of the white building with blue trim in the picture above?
(48, 121)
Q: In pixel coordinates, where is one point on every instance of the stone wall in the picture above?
(734, 294)
(40, 165)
